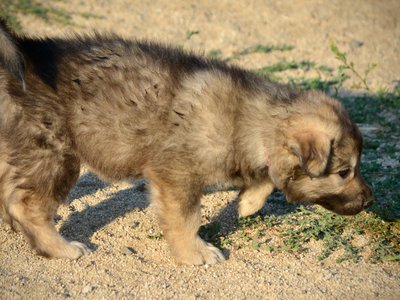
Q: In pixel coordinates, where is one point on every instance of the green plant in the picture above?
(259, 48)
(214, 53)
(349, 65)
(265, 49)
(9, 9)
(191, 33)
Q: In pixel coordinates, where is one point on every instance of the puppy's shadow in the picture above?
(87, 184)
(82, 225)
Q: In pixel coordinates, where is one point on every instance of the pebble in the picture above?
(128, 250)
(87, 289)
(356, 43)
(133, 224)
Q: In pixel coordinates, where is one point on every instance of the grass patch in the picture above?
(349, 65)
(191, 33)
(291, 232)
(9, 10)
(259, 48)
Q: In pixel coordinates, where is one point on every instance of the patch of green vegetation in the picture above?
(296, 229)
(214, 54)
(265, 49)
(191, 33)
(333, 79)
(284, 65)
(318, 83)
(349, 65)
(259, 48)
(9, 9)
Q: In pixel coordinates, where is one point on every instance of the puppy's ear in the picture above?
(313, 149)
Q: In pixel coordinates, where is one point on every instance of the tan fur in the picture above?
(253, 198)
(130, 109)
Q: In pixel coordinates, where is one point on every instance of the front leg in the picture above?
(179, 215)
(253, 198)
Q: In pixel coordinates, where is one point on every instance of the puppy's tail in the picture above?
(11, 57)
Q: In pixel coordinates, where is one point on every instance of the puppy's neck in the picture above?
(255, 137)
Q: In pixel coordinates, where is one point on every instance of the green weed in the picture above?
(9, 9)
(265, 49)
(259, 48)
(349, 65)
(214, 54)
(191, 33)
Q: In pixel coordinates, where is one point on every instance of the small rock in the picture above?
(133, 224)
(66, 294)
(23, 278)
(87, 289)
(128, 250)
(356, 44)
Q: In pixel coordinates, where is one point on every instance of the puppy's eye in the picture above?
(344, 173)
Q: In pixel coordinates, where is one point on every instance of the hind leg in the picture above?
(34, 214)
(5, 172)
(31, 191)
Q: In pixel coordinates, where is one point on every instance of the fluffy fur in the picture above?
(129, 109)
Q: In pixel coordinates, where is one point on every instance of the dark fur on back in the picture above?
(131, 108)
(47, 54)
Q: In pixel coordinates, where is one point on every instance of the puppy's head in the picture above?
(321, 156)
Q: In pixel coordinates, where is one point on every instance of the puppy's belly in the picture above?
(113, 154)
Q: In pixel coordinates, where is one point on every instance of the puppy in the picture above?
(129, 109)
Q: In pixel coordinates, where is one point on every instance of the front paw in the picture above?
(199, 253)
(250, 203)
(76, 250)
(253, 198)
(248, 208)
(60, 248)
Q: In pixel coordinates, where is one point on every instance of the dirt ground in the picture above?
(129, 259)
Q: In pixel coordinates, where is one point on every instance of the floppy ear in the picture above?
(313, 149)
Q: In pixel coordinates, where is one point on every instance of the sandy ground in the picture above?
(129, 260)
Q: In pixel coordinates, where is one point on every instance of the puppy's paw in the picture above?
(202, 253)
(247, 208)
(211, 254)
(253, 198)
(70, 250)
(249, 205)
(80, 249)
(15, 226)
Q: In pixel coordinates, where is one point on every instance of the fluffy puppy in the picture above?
(129, 109)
